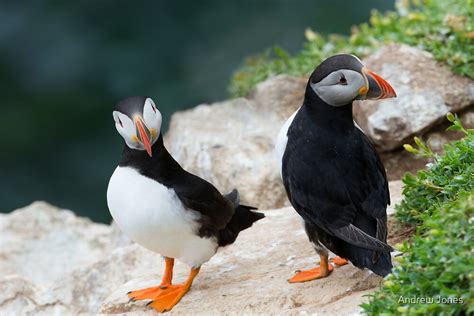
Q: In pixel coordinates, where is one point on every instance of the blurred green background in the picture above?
(64, 64)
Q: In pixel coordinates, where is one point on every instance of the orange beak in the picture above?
(144, 134)
(378, 88)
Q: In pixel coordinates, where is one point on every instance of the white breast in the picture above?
(153, 216)
(282, 139)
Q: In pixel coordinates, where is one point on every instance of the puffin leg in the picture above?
(154, 291)
(338, 261)
(168, 274)
(320, 272)
(168, 300)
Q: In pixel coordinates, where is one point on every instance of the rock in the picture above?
(438, 137)
(42, 244)
(99, 266)
(20, 297)
(250, 276)
(396, 189)
(84, 290)
(280, 95)
(426, 91)
(231, 143)
(467, 118)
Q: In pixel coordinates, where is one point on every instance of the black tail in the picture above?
(383, 265)
(243, 218)
(379, 262)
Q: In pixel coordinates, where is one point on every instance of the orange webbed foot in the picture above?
(320, 272)
(338, 261)
(166, 296)
(312, 274)
(143, 294)
(150, 293)
(167, 300)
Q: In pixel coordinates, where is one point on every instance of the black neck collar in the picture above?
(324, 113)
(161, 166)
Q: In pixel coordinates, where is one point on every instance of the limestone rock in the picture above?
(231, 145)
(280, 95)
(99, 266)
(42, 243)
(426, 91)
(20, 297)
(396, 189)
(250, 276)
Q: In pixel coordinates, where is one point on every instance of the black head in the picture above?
(131, 106)
(138, 121)
(341, 79)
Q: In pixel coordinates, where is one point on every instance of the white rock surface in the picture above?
(95, 266)
(426, 91)
(32, 235)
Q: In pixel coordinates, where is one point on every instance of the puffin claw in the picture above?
(148, 304)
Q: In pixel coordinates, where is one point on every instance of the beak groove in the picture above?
(144, 135)
(379, 88)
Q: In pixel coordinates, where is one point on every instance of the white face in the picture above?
(341, 87)
(127, 128)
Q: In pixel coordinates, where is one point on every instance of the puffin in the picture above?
(332, 174)
(164, 208)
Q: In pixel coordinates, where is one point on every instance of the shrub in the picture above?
(438, 262)
(448, 176)
(445, 28)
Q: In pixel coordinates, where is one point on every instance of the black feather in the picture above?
(243, 218)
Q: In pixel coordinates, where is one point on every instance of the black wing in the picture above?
(199, 195)
(332, 184)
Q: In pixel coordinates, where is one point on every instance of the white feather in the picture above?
(357, 125)
(152, 117)
(282, 139)
(153, 216)
(126, 129)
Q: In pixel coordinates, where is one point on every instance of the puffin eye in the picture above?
(343, 80)
(120, 122)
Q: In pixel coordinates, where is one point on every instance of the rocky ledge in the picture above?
(54, 262)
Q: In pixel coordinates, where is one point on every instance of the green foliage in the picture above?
(449, 176)
(438, 262)
(445, 28)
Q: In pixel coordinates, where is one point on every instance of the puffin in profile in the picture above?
(164, 208)
(332, 174)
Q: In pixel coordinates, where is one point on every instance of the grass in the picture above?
(444, 28)
(437, 265)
